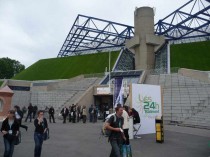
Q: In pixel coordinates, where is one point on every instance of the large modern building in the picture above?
(143, 53)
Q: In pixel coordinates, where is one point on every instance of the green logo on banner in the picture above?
(149, 106)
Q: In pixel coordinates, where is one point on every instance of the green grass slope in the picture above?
(67, 67)
(1, 82)
(191, 55)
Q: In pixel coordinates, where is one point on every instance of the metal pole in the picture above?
(168, 58)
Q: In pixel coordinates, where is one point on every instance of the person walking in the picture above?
(64, 113)
(51, 114)
(91, 112)
(19, 117)
(10, 131)
(70, 112)
(115, 124)
(41, 127)
(30, 111)
(126, 125)
(95, 114)
(35, 109)
(24, 110)
(84, 114)
(78, 112)
(74, 114)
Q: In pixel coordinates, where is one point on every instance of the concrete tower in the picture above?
(145, 42)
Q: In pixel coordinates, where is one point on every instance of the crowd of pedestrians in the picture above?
(11, 129)
(74, 113)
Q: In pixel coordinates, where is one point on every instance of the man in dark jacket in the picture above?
(64, 113)
(51, 114)
(30, 111)
(115, 125)
(74, 114)
(91, 112)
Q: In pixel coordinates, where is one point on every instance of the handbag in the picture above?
(46, 134)
(17, 139)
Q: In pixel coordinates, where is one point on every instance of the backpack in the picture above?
(104, 131)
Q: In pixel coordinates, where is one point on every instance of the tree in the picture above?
(9, 68)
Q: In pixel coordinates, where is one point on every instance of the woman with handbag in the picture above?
(10, 130)
(41, 128)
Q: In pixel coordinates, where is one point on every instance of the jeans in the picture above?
(9, 147)
(38, 138)
(115, 143)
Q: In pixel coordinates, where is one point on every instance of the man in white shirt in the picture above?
(126, 125)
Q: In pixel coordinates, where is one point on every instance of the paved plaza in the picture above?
(84, 140)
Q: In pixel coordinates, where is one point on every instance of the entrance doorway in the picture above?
(104, 103)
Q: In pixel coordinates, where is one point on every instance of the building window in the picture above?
(1, 105)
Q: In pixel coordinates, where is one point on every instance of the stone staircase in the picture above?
(63, 94)
(186, 100)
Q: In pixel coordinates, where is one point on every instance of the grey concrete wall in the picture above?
(196, 74)
(21, 98)
(52, 98)
(19, 83)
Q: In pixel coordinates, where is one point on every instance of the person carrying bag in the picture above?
(115, 124)
(40, 134)
(10, 131)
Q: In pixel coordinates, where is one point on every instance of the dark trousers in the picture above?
(127, 142)
(9, 147)
(91, 117)
(69, 117)
(84, 117)
(74, 119)
(38, 138)
(29, 115)
(20, 123)
(115, 152)
(78, 117)
(95, 118)
(34, 114)
(64, 118)
(52, 116)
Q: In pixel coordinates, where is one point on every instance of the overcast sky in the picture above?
(31, 30)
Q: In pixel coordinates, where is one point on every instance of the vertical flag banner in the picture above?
(146, 99)
(118, 91)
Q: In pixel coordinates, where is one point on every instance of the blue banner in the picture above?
(118, 91)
